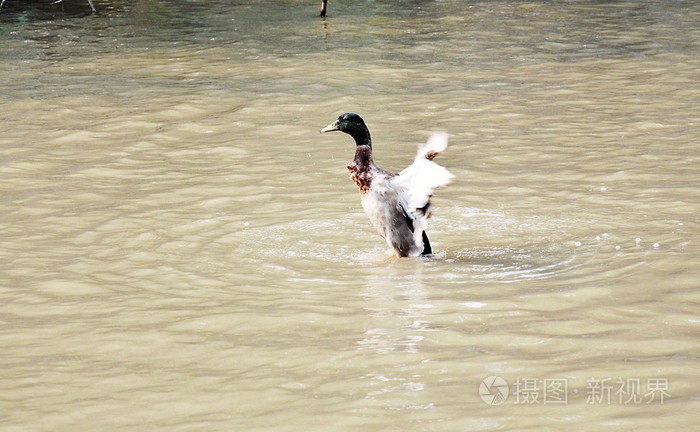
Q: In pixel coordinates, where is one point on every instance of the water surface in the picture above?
(181, 250)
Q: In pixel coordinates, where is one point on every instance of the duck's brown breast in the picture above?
(361, 175)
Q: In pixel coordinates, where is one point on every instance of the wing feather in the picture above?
(423, 176)
(416, 184)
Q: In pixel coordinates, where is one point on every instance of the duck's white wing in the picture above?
(420, 179)
(415, 185)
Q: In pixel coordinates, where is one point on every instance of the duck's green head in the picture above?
(353, 125)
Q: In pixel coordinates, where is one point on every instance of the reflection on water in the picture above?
(181, 250)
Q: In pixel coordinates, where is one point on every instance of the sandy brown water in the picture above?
(181, 250)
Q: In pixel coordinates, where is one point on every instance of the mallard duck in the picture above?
(398, 205)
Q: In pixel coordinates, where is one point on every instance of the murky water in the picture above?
(181, 250)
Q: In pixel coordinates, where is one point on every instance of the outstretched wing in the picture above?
(418, 181)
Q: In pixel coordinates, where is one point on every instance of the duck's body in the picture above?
(398, 205)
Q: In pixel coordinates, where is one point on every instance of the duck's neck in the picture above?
(361, 167)
(363, 150)
(362, 137)
(363, 157)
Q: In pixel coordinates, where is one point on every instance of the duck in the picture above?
(397, 204)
